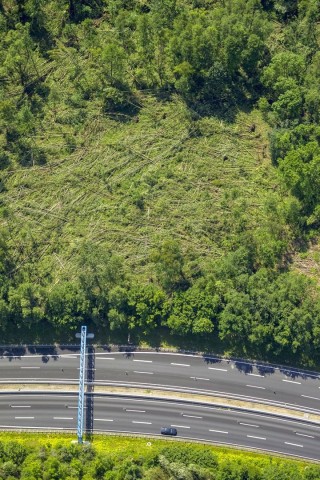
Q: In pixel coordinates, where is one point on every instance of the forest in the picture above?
(160, 173)
(130, 459)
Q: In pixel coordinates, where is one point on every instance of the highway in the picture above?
(177, 372)
(171, 371)
(147, 416)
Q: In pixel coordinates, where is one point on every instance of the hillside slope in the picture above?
(133, 185)
(160, 172)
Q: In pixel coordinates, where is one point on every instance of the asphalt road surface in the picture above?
(170, 371)
(146, 416)
(177, 372)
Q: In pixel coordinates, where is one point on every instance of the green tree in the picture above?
(82, 9)
(100, 271)
(146, 304)
(169, 264)
(119, 314)
(32, 468)
(67, 305)
(53, 469)
(194, 310)
(15, 452)
(284, 78)
(26, 303)
(301, 171)
(235, 319)
(20, 60)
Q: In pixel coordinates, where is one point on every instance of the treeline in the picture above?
(65, 63)
(263, 313)
(174, 462)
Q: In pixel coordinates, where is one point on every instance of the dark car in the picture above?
(168, 431)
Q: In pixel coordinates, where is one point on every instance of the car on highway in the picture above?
(168, 431)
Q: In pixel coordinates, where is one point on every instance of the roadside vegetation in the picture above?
(160, 172)
(53, 457)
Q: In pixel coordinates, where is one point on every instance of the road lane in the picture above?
(207, 423)
(172, 371)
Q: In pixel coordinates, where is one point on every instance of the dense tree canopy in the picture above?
(73, 76)
(174, 462)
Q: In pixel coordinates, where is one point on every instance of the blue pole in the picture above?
(81, 382)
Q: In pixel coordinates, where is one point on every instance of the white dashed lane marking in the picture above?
(255, 386)
(62, 418)
(144, 361)
(190, 416)
(291, 381)
(179, 426)
(180, 364)
(20, 406)
(258, 438)
(312, 398)
(103, 420)
(219, 369)
(138, 411)
(304, 435)
(200, 378)
(146, 373)
(30, 368)
(145, 423)
(218, 431)
(24, 418)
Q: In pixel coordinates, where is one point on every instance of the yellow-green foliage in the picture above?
(146, 450)
(133, 185)
(159, 168)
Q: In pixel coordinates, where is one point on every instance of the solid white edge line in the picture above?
(15, 427)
